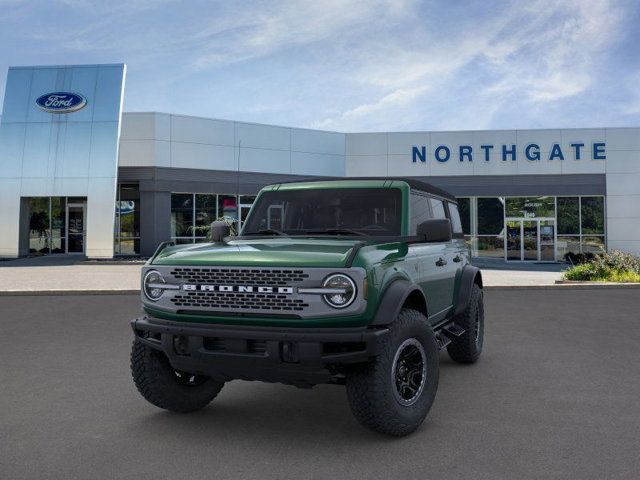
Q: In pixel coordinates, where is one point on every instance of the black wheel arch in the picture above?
(470, 275)
(399, 294)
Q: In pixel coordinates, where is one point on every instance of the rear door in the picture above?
(433, 273)
(448, 261)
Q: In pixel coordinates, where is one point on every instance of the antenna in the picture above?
(238, 169)
(238, 213)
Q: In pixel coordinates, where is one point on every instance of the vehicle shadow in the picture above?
(254, 412)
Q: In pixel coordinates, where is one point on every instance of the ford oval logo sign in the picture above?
(61, 102)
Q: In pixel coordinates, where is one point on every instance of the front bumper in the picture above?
(298, 356)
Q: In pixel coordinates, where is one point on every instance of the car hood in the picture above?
(281, 252)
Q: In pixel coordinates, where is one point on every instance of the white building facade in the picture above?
(89, 179)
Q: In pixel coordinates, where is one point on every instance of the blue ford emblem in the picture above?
(61, 102)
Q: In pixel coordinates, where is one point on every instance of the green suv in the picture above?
(355, 282)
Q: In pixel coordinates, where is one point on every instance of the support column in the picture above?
(155, 220)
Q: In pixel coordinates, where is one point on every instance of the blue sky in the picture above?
(369, 65)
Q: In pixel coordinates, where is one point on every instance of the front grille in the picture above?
(238, 301)
(243, 276)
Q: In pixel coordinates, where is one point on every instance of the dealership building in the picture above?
(80, 176)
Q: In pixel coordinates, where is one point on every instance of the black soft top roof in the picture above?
(414, 184)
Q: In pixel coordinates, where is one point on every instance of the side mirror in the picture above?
(219, 230)
(435, 230)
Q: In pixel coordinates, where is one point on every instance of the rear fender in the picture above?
(470, 275)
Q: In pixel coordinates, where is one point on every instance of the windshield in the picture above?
(335, 211)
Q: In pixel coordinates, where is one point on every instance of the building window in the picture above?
(592, 215)
(490, 246)
(592, 219)
(568, 216)
(193, 213)
(490, 227)
(127, 224)
(205, 213)
(40, 226)
(490, 216)
(56, 225)
(530, 207)
(464, 208)
(228, 208)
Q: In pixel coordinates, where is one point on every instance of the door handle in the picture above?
(441, 262)
(457, 259)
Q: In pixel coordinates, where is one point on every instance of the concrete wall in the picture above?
(623, 189)
(176, 141)
(71, 154)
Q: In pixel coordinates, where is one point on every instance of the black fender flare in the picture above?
(393, 299)
(470, 275)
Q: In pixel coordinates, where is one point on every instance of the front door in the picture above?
(530, 240)
(76, 220)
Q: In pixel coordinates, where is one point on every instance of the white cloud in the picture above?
(283, 25)
(543, 53)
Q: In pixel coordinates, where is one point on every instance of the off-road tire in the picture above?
(370, 388)
(467, 347)
(158, 382)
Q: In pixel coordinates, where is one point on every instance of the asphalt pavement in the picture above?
(555, 395)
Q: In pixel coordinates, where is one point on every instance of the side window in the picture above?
(456, 223)
(437, 208)
(420, 211)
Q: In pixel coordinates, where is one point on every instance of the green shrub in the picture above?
(615, 266)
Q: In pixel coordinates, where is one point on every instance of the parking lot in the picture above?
(555, 395)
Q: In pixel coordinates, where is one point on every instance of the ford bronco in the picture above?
(355, 282)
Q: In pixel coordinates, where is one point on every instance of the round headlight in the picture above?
(150, 285)
(345, 290)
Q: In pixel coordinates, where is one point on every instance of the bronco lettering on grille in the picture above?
(237, 289)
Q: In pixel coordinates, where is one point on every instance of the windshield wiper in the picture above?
(267, 231)
(337, 231)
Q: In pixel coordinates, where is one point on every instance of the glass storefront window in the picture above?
(592, 214)
(50, 227)
(530, 207)
(193, 213)
(228, 207)
(593, 244)
(127, 225)
(579, 223)
(47, 225)
(464, 208)
(39, 220)
(567, 244)
(568, 216)
(490, 216)
(182, 215)
(491, 246)
(206, 209)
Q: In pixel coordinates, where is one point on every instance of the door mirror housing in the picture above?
(219, 230)
(435, 230)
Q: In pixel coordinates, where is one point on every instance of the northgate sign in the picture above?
(531, 152)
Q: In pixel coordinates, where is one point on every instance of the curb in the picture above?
(556, 286)
(23, 293)
(566, 286)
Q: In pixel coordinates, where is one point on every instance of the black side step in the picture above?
(452, 331)
(442, 340)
